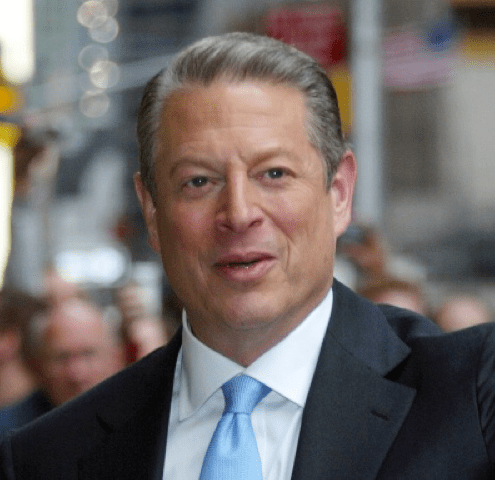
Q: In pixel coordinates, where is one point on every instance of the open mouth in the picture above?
(242, 264)
(245, 268)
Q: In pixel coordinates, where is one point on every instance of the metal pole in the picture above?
(367, 106)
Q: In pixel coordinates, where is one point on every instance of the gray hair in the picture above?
(237, 57)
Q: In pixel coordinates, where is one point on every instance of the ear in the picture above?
(342, 190)
(149, 211)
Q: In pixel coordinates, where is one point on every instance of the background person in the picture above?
(462, 310)
(142, 330)
(17, 308)
(71, 348)
(395, 291)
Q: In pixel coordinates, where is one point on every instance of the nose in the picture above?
(77, 369)
(239, 205)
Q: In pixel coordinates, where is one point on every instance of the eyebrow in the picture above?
(189, 161)
(205, 162)
(274, 152)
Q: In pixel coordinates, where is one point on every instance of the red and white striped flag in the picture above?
(411, 62)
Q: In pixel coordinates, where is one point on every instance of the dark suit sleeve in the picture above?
(486, 392)
(6, 467)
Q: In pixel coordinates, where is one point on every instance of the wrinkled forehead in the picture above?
(194, 100)
(255, 109)
(196, 104)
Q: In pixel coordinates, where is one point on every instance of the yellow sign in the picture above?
(10, 99)
(341, 79)
(9, 134)
(478, 47)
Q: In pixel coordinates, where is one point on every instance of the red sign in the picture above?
(317, 30)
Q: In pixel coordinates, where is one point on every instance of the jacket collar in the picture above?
(134, 435)
(361, 329)
(353, 413)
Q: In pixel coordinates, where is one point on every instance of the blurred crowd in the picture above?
(455, 308)
(62, 343)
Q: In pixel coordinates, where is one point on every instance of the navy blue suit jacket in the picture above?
(391, 398)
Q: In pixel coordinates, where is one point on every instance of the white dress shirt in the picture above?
(198, 402)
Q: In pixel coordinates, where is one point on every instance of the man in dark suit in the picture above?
(245, 184)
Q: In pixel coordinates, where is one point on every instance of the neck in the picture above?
(244, 349)
(245, 343)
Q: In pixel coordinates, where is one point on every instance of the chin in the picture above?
(251, 312)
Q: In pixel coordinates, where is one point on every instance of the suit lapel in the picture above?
(352, 414)
(134, 437)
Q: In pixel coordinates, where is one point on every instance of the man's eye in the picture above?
(197, 182)
(275, 173)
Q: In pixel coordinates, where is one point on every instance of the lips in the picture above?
(241, 264)
(245, 267)
(241, 260)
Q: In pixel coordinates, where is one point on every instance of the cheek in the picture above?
(308, 232)
(183, 235)
(304, 220)
(191, 227)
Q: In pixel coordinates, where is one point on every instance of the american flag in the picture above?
(413, 59)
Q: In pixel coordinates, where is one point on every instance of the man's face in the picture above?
(78, 351)
(243, 218)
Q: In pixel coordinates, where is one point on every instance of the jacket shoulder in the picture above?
(73, 429)
(407, 324)
(415, 329)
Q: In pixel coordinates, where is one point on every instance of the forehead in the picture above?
(261, 108)
(71, 328)
(242, 92)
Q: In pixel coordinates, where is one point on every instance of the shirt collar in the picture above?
(286, 368)
(203, 372)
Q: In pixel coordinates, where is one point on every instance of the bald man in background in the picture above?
(71, 349)
(462, 311)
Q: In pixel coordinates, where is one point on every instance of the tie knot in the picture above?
(243, 393)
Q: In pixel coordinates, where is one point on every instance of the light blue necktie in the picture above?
(233, 453)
